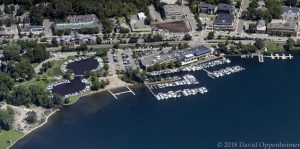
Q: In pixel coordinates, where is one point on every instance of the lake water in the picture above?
(260, 104)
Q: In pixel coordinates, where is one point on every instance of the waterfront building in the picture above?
(194, 54)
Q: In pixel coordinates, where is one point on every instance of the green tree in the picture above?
(68, 75)
(6, 85)
(7, 118)
(259, 43)
(31, 117)
(211, 35)
(290, 43)
(187, 37)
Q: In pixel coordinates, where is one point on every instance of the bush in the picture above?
(31, 117)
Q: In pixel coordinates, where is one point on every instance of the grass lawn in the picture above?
(9, 136)
(274, 47)
(45, 78)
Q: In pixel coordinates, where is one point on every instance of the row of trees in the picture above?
(158, 67)
(273, 10)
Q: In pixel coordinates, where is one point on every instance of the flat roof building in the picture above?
(194, 54)
(224, 22)
(207, 8)
(288, 12)
(173, 12)
(261, 26)
(78, 22)
(283, 27)
(225, 8)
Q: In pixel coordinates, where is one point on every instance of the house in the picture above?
(78, 22)
(138, 25)
(207, 8)
(224, 22)
(173, 12)
(27, 29)
(283, 27)
(261, 27)
(192, 55)
(290, 12)
(225, 8)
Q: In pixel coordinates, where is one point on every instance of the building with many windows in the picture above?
(224, 22)
(283, 27)
(173, 12)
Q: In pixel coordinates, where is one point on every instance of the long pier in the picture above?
(119, 93)
(150, 90)
(272, 56)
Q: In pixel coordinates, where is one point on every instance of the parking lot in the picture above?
(120, 59)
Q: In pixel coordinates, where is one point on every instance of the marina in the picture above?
(195, 67)
(186, 80)
(82, 64)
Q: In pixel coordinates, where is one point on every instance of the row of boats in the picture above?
(227, 71)
(207, 65)
(186, 80)
(87, 88)
(192, 68)
(179, 93)
(52, 85)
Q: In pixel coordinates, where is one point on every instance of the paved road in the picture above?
(240, 22)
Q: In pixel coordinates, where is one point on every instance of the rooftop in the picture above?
(289, 10)
(224, 19)
(197, 51)
(172, 8)
(82, 18)
(281, 24)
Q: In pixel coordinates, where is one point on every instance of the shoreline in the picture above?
(35, 128)
(56, 110)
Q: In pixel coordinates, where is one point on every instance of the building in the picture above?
(283, 27)
(137, 24)
(225, 8)
(261, 27)
(141, 16)
(27, 29)
(224, 22)
(173, 12)
(169, 1)
(78, 22)
(192, 55)
(289, 12)
(207, 8)
(76, 38)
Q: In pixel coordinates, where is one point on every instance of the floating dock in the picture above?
(119, 93)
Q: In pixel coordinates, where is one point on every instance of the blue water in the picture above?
(259, 104)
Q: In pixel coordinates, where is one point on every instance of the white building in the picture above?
(141, 16)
